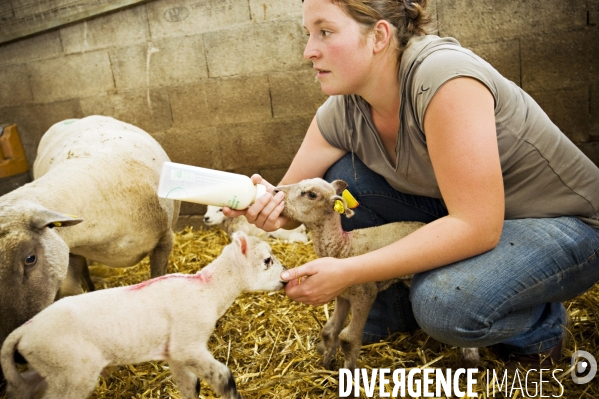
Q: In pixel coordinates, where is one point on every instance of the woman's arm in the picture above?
(462, 142)
(314, 157)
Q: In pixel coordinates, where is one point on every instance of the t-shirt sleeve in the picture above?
(442, 66)
(330, 118)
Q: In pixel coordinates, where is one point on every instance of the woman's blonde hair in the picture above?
(409, 17)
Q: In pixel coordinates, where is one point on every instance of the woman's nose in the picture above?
(310, 52)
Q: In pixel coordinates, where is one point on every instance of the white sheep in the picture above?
(93, 198)
(170, 318)
(313, 202)
(214, 216)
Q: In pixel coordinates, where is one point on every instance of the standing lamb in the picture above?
(167, 318)
(214, 216)
(103, 171)
(319, 204)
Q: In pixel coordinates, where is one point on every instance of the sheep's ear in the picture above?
(339, 204)
(48, 218)
(339, 186)
(241, 240)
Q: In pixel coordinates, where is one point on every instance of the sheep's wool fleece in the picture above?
(545, 174)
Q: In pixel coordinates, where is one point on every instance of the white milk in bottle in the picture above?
(207, 186)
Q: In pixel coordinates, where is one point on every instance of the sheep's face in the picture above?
(262, 271)
(312, 199)
(214, 215)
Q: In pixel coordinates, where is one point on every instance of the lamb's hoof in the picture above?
(320, 348)
(329, 364)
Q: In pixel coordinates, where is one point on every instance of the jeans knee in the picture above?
(443, 313)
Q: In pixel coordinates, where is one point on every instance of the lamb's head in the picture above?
(310, 200)
(214, 215)
(254, 259)
(33, 261)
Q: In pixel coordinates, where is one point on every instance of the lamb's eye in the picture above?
(267, 262)
(30, 261)
(312, 195)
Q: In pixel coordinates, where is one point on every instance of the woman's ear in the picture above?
(383, 34)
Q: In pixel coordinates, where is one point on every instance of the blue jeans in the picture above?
(510, 296)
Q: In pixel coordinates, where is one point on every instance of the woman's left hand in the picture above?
(316, 282)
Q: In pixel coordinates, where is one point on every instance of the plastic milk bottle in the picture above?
(207, 186)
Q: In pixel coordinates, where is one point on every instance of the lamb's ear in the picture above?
(339, 186)
(240, 239)
(47, 218)
(339, 204)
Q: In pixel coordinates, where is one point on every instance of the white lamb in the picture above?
(167, 318)
(312, 202)
(214, 216)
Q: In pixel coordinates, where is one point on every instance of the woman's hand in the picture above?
(266, 211)
(316, 282)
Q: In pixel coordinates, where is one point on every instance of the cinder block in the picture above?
(257, 48)
(41, 46)
(171, 62)
(504, 56)
(14, 85)
(476, 22)
(151, 114)
(73, 76)
(169, 18)
(266, 10)
(33, 120)
(568, 109)
(261, 145)
(125, 26)
(198, 147)
(221, 101)
(594, 113)
(560, 60)
(295, 93)
(593, 12)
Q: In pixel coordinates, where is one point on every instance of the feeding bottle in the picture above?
(207, 186)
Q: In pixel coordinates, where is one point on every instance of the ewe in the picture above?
(167, 318)
(312, 202)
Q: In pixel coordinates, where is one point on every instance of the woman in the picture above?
(422, 129)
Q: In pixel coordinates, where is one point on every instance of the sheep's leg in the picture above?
(215, 373)
(187, 382)
(159, 255)
(351, 336)
(470, 357)
(330, 333)
(77, 273)
(71, 384)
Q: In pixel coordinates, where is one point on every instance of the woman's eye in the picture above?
(325, 33)
(30, 261)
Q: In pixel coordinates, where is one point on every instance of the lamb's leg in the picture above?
(330, 333)
(187, 382)
(220, 378)
(351, 336)
(159, 255)
(470, 357)
(77, 273)
(71, 384)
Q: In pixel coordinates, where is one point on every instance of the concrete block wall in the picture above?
(223, 84)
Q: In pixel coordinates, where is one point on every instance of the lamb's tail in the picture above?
(17, 386)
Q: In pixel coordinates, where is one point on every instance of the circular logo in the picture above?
(584, 367)
(176, 14)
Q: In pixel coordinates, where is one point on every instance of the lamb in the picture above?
(93, 198)
(167, 318)
(319, 204)
(214, 216)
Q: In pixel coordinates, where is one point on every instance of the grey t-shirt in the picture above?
(544, 173)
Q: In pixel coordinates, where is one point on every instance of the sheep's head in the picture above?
(312, 199)
(214, 215)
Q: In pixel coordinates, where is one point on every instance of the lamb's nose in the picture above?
(276, 190)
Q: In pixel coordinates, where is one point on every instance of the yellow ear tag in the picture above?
(351, 201)
(57, 224)
(339, 207)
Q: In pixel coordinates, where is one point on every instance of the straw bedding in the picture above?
(268, 341)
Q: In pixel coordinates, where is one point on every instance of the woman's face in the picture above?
(337, 46)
